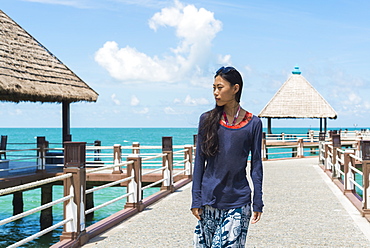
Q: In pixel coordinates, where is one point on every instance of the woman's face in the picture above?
(223, 91)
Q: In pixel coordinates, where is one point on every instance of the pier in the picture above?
(305, 211)
(300, 203)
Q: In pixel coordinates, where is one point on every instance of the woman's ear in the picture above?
(236, 88)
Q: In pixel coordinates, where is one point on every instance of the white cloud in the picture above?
(189, 101)
(195, 101)
(16, 112)
(354, 98)
(169, 111)
(224, 60)
(195, 29)
(142, 111)
(134, 101)
(115, 100)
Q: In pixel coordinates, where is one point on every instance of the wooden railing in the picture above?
(170, 169)
(350, 171)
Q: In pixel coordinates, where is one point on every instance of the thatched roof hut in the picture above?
(30, 72)
(297, 98)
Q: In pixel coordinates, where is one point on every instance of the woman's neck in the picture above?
(231, 108)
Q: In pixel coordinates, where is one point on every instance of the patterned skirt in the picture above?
(222, 228)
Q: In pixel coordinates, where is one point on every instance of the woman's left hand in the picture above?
(256, 217)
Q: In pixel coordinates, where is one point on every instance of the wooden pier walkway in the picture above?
(303, 208)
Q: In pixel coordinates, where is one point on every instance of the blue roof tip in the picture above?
(296, 70)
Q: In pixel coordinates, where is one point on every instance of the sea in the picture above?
(22, 138)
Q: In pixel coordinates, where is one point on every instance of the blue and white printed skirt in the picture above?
(222, 228)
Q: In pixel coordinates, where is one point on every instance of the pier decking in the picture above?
(303, 208)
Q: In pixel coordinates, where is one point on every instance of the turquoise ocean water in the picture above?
(15, 231)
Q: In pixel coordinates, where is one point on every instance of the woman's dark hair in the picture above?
(211, 124)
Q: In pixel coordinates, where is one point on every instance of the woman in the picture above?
(221, 193)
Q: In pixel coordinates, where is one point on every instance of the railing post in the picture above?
(134, 185)
(365, 148)
(135, 148)
(333, 162)
(358, 148)
(348, 174)
(188, 156)
(312, 134)
(366, 184)
(41, 145)
(195, 139)
(75, 163)
(117, 158)
(264, 148)
(97, 151)
(336, 142)
(300, 153)
(326, 156)
(167, 149)
(321, 148)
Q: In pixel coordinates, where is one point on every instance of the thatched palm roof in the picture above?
(297, 98)
(29, 72)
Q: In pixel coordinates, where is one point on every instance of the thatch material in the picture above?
(29, 72)
(297, 98)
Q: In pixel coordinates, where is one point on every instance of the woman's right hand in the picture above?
(197, 212)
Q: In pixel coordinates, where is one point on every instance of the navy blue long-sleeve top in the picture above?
(221, 181)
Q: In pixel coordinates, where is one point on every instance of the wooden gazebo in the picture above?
(30, 72)
(297, 98)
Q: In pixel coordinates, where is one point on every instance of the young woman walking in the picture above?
(221, 195)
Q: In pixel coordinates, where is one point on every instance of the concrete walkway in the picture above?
(303, 208)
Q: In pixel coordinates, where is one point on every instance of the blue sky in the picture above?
(152, 62)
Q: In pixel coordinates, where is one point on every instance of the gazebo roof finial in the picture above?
(296, 70)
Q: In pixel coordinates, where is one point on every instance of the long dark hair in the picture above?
(211, 124)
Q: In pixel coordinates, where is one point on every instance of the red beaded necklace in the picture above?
(235, 117)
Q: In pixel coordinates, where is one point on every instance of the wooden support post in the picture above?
(269, 125)
(17, 202)
(66, 122)
(46, 216)
(75, 163)
(134, 185)
(117, 158)
(41, 145)
(167, 149)
(135, 148)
